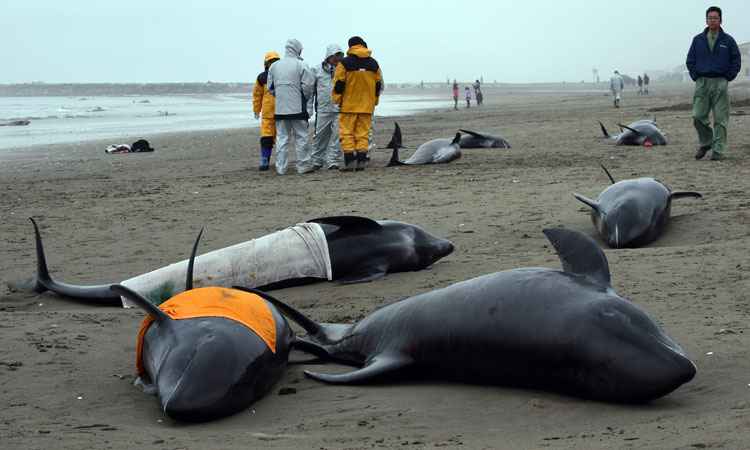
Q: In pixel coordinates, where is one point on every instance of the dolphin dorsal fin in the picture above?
(580, 254)
(456, 139)
(396, 140)
(609, 175)
(362, 223)
(604, 130)
(141, 302)
(191, 263)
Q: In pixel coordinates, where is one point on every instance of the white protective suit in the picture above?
(292, 83)
(616, 85)
(326, 146)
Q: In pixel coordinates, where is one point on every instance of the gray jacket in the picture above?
(323, 73)
(292, 83)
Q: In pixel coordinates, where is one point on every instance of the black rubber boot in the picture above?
(362, 160)
(350, 162)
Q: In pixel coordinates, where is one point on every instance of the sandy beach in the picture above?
(67, 369)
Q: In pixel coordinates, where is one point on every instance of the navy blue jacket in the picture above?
(724, 61)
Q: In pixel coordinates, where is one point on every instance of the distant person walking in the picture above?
(640, 85)
(292, 83)
(467, 93)
(455, 95)
(357, 84)
(326, 148)
(264, 107)
(713, 61)
(616, 85)
(646, 80)
(478, 93)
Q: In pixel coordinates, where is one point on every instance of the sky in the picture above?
(80, 41)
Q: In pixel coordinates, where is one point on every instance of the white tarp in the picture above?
(295, 252)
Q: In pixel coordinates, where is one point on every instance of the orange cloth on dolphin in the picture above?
(248, 309)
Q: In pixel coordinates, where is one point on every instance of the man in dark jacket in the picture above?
(713, 61)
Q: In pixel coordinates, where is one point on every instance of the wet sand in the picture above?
(66, 369)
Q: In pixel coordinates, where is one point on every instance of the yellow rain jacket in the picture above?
(357, 82)
(263, 100)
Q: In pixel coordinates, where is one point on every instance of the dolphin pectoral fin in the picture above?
(609, 175)
(313, 348)
(604, 130)
(473, 133)
(369, 273)
(580, 254)
(377, 367)
(685, 194)
(362, 223)
(631, 129)
(588, 202)
(148, 387)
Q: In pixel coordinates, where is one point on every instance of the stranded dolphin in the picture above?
(479, 140)
(565, 331)
(209, 352)
(640, 132)
(436, 151)
(632, 213)
(346, 249)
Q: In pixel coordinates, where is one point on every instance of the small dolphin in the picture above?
(632, 213)
(565, 331)
(640, 132)
(209, 352)
(436, 151)
(479, 140)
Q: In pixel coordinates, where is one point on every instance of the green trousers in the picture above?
(711, 94)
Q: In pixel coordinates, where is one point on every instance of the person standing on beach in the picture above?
(357, 84)
(640, 85)
(713, 61)
(646, 80)
(478, 93)
(467, 92)
(291, 82)
(616, 85)
(455, 95)
(264, 107)
(326, 148)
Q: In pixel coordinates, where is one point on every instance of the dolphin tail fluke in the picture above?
(579, 254)
(143, 303)
(685, 194)
(101, 294)
(609, 175)
(588, 202)
(394, 159)
(604, 130)
(377, 368)
(396, 141)
(456, 139)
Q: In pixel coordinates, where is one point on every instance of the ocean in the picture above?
(58, 120)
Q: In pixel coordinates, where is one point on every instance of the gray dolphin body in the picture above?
(472, 139)
(360, 250)
(565, 331)
(639, 132)
(436, 151)
(206, 366)
(632, 213)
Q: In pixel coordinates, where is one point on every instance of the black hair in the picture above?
(715, 9)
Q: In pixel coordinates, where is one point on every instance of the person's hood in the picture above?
(359, 51)
(332, 50)
(293, 48)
